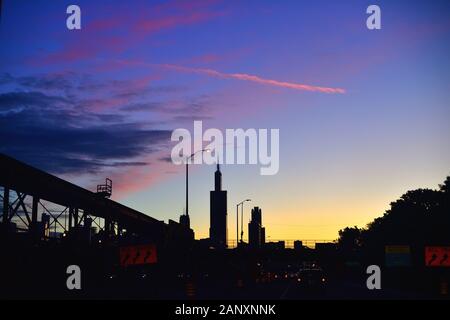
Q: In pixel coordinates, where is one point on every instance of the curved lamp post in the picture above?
(187, 177)
(242, 219)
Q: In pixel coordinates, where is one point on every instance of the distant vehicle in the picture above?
(312, 278)
(280, 273)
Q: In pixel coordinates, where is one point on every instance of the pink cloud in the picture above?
(237, 76)
(154, 25)
(83, 47)
(134, 179)
(256, 79)
(122, 30)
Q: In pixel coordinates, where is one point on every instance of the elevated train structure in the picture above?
(120, 251)
(26, 191)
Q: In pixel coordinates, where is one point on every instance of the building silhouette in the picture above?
(256, 232)
(298, 245)
(218, 213)
(185, 221)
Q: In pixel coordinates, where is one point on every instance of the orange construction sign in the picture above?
(137, 255)
(437, 256)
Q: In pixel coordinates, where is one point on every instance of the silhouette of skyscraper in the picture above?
(185, 221)
(256, 232)
(218, 213)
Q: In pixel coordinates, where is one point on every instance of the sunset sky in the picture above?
(102, 102)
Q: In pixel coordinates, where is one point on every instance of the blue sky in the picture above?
(101, 102)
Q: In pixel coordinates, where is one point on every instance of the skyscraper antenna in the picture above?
(217, 161)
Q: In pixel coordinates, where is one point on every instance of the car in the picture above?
(312, 278)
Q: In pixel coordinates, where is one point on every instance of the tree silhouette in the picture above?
(445, 187)
(350, 238)
(420, 217)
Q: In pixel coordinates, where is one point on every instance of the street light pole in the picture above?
(242, 222)
(237, 220)
(187, 177)
(187, 188)
(237, 224)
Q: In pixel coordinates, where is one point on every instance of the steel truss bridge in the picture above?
(28, 191)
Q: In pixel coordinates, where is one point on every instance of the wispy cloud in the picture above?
(54, 122)
(256, 79)
(54, 132)
(236, 76)
(124, 28)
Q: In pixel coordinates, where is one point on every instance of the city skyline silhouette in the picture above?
(176, 149)
(106, 107)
